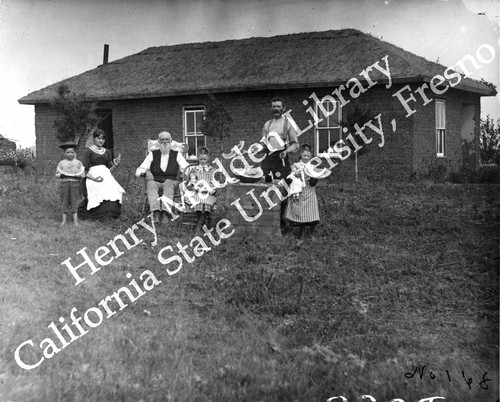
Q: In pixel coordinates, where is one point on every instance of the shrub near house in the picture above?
(7, 151)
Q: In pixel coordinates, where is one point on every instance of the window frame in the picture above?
(318, 128)
(440, 129)
(186, 110)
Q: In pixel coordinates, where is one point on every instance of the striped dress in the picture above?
(205, 173)
(304, 208)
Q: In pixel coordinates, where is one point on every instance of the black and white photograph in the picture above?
(228, 200)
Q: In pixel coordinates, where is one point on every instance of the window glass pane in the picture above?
(333, 112)
(440, 139)
(440, 114)
(191, 142)
(335, 135)
(189, 122)
(324, 122)
(333, 119)
(336, 117)
(322, 140)
(328, 106)
(200, 141)
(199, 120)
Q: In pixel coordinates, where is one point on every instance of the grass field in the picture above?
(400, 276)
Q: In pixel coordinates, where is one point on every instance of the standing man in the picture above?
(278, 162)
(161, 168)
(276, 165)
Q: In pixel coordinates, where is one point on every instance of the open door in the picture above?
(468, 134)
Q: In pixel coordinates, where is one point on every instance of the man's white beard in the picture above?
(164, 148)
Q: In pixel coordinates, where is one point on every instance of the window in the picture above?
(328, 130)
(193, 137)
(440, 128)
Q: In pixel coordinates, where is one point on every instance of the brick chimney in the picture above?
(105, 55)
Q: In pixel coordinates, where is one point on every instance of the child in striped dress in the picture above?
(302, 207)
(203, 196)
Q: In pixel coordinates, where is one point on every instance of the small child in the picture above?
(303, 206)
(200, 188)
(69, 171)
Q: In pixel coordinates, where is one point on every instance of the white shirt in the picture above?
(146, 165)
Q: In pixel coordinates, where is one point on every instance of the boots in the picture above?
(156, 217)
(312, 227)
(302, 231)
(208, 221)
(201, 220)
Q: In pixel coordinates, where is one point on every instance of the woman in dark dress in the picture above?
(104, 194)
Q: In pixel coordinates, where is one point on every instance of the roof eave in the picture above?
(241, 88)
(482, 91)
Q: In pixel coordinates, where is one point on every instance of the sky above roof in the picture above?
(43, 42)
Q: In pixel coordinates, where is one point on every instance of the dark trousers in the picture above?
(70, 196)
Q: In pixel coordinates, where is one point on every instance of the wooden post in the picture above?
(356, 165)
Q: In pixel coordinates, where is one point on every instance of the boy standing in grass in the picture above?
(69, 171)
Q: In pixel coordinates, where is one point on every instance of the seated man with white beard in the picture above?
(161, 168)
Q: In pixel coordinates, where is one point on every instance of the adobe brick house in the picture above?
(6, 144)
(165, 88)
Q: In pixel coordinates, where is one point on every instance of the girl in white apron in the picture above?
(302, 207)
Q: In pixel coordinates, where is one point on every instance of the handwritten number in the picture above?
(484, 384)
(467, 381)
(418, 369)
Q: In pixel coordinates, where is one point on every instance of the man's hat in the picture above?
(68, 144)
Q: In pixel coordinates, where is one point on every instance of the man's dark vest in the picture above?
(172, 167)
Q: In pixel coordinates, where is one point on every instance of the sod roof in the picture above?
(301, 60)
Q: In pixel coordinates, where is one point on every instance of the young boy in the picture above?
(69, 171)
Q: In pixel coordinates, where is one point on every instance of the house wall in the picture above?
(462, 133)
(393, 160)
(134, 121)
(7, 145)
(48, 153)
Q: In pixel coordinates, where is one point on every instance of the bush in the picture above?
(20, 157)
(77, 115)
(485, 174)
(489, 140)
(464, 175)
(216, 121)
(488, 174)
